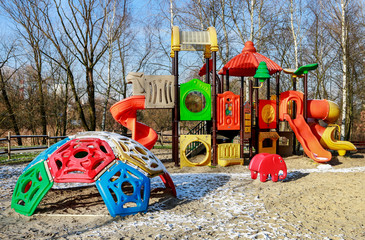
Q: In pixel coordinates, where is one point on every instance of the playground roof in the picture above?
(245, 64)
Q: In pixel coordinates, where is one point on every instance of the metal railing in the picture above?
(200, 128)
(195, 148)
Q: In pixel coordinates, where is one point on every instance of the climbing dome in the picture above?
(109, 160)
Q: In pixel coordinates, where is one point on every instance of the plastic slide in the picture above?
(329, 112)
(312, 147)
(326, 136)
(125, 112)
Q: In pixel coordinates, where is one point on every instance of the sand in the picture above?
(315, 201)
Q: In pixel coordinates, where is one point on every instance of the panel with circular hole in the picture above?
(129, 150)
(80, 160)
(30, 189)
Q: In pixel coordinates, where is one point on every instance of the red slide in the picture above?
(312, 147)
(125, 113)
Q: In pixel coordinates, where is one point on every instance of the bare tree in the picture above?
(23, 13)
(295, 32)
(344, 5)
(114, 27)
(8, 53)
(44, 22)
(83, 23)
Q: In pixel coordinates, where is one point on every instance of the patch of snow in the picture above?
(324, 167)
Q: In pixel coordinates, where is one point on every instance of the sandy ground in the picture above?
(315, 201)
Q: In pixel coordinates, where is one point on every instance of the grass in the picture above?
(17, 158)
(163, 147)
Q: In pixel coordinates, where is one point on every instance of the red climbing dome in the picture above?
(80, 160)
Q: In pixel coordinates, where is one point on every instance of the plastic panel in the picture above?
(80, 160)
(112, 188)
(131, 151)
(273, 136)
(229, 154)
(185, 140)
(158, 89)
(228, 111)
(200, 96)
(267, 114)
(248, 119)
(30, 189)
(46, 153)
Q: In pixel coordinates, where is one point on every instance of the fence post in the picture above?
(161, 137)
(9, 145)
(48, 140)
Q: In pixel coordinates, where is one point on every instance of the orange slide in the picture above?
(125, 112)
(312, 147)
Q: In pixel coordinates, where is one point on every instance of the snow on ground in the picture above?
(210, 206)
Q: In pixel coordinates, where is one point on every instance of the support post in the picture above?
(251, 104)
(175, 137)
(256, 116)
(294, 114)
(49, 139)
(208, 71)
(305, 96)
(227, 80)
(9, 145)
(214, 107)
(242, 117)
(277, 100)
(268, 89)
(221, 85)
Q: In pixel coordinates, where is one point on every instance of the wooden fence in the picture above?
(9, 150)
(163, 139)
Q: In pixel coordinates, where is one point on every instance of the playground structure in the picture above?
(223, 114)
(256, 121)
(120, 167)
(112, 161)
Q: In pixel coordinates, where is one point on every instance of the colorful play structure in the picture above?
(120, 167)
(260, 123)
(266, 127)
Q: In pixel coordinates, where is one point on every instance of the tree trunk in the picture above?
(252, 9)
(65, 106)
(77, 100)
(293, 33)
(42, 105)
(9, 108)
(105, 107)
(344, 66)
(91, 97)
